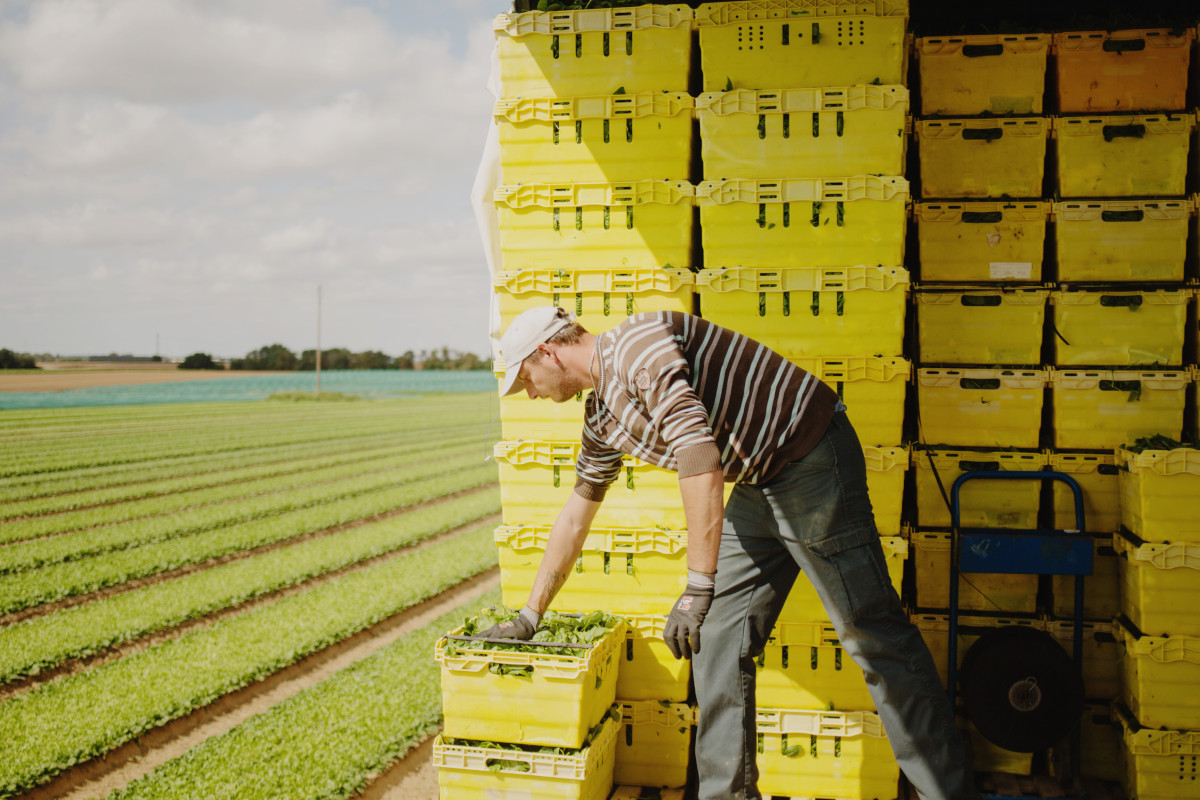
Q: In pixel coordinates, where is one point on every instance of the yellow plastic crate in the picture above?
(873, 390)
(1159, 677)
(648, 670)
(1101, 654)
(784, 44)
(1103, 409)
(803, 223)
(1121, 240)
(963, 407)
(885, 485)
(804, 605)
(803, 665)
(1096, 474)
(1101, 589)
(1159, 765)
(981, 240)
(982, 503)
(818, 133)
(623, 571)
(982, 157)
(537, 477)
(522, 418)
(986, 74)
(1114, 327)
(594, 51)
(1158, 488)
(479, 772)
(1160, 585)
(810, 312)
(609, 138)
(597, 225)
(599, 298)
(1130, 70)
(1194, 335)
(935, 630)
(992, 594)
(564, 694)
(1139, 155)
(827, 753)
(976, 325)
(640, 793)
(652, 745)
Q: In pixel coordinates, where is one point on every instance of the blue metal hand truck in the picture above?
(1023, 552)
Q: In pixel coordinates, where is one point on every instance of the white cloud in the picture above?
(202, 166)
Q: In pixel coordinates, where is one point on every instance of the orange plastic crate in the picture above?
(1132, 70)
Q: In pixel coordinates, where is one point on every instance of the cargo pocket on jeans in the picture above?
(857, 557)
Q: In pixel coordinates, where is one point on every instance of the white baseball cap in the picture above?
(522, 337)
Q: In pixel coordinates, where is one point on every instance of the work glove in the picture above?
(682, 631)
(523, 627)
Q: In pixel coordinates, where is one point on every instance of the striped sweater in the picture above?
(687, 395)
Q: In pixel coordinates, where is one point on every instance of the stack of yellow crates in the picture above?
(1158, 629)
(803, 117)
(596, 215)
(980, 308)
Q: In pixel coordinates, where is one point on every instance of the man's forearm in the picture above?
(704, 506)
(562, 549)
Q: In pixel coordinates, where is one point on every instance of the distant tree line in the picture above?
(11, 360)
(278, 358)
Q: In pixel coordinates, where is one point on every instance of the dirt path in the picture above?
(118, 768)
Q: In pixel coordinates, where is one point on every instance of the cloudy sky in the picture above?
(193, 169)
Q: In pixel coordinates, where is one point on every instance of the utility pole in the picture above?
(318, 340)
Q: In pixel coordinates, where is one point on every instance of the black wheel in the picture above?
(1021, 689)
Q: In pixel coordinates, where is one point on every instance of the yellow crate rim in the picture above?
(1090, 40)
(1146, 742)
(616, 106)
(944, 294)
(856, 368)
(1179, 555)
(1094, 124)
(652, 712)
(611, 281)
(1093, 210)
(803, 279)
(1012, 43)
(568, 766)
(1010, 210)
(1184, 461)
(593, 19)
(1031, 461)
(797, 190)
(550, 454)
(1009, 378)
(714, 14)
(1080, 463)
(819, 723)
(550, 665)
(604, 540)
(1090, 296)
(631, 193)
(792, 101)
(1090, 379)
(951, 127)
(1163, 649)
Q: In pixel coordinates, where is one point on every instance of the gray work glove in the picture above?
(523, 627)
(682, 631)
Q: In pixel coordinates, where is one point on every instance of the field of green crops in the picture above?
(163, 563)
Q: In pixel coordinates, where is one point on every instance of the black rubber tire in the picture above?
(1021, 689)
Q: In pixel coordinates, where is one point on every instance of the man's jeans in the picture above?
(815, 516)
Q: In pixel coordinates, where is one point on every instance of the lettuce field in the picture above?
(234, 599)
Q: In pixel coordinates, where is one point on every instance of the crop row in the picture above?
(69, 721)
(45, 642)
(39, 460)
(60, 503)
(54, 582)
(131, 475)
(111, 526)
(324, 742)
